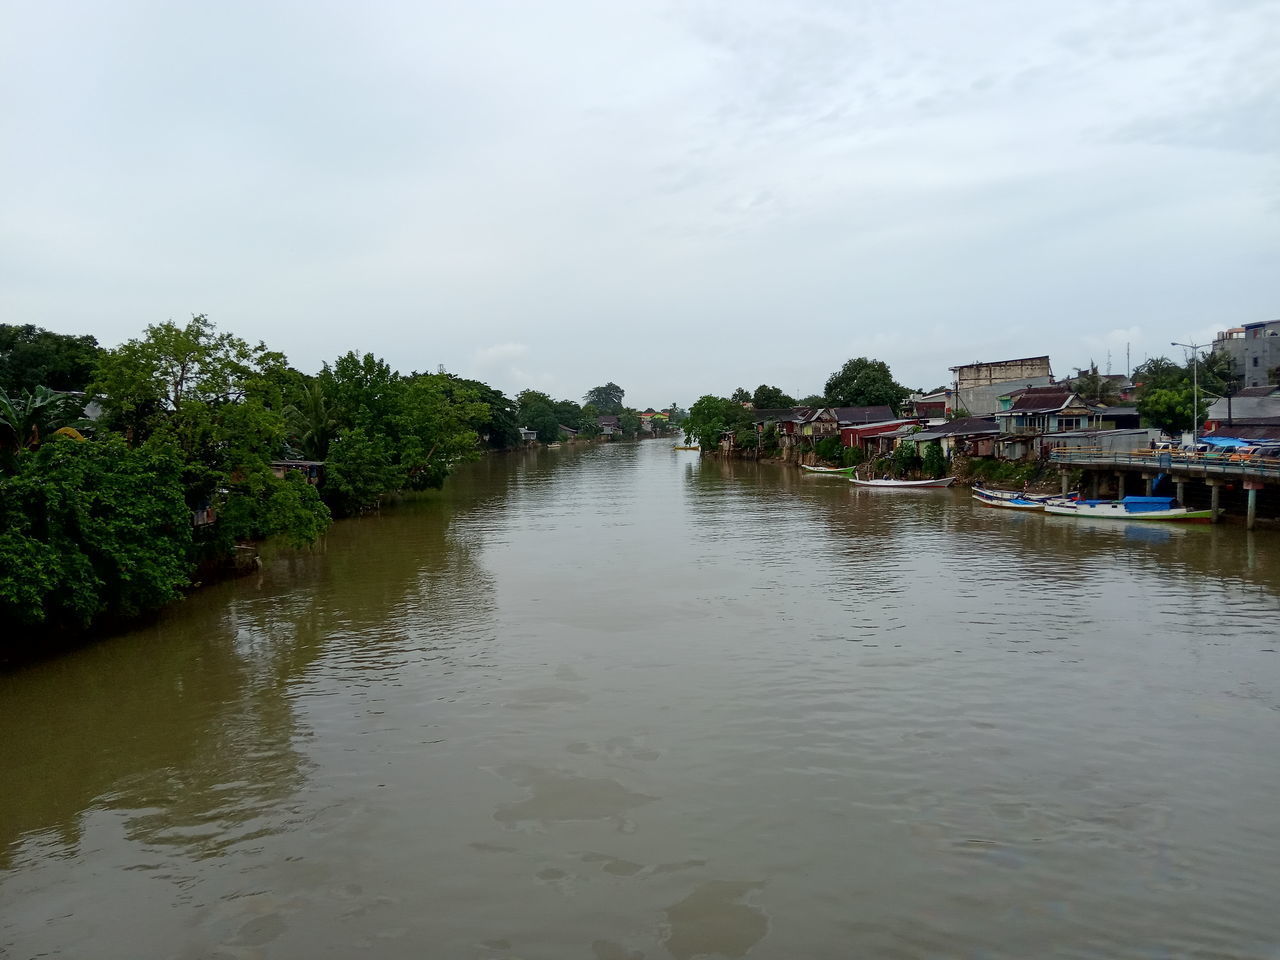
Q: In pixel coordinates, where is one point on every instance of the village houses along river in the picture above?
(617, 701)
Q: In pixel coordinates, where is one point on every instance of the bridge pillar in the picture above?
(1065, 478)
(1093, 483)
(1253, 486)
(1148, 483)
(1215, 497)
(1119, 485)
(1180, 492)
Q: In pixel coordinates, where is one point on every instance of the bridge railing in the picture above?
(1224, 462)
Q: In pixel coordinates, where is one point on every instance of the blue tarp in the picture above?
(1229, 442)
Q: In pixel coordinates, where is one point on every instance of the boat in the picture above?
(993, 494)
(839, 471)
(1010, 503)
(944, 482)
(1130, 508)
(676, 446)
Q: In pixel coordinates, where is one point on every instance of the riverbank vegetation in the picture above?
(127, 474)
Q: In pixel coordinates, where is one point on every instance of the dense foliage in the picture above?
(205, 442)
(90, 530)
(863, 382)
(1167, 395)
(31, 357)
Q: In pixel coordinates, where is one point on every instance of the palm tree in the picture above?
(313, 423)
(25, 420)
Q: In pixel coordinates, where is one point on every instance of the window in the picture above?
(1255, 361)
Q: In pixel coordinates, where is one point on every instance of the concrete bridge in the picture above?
(1215, 477)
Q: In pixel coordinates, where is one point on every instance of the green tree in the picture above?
(359, 470)
(311, 423)
(740, 396)
(710, 417)
(935, 462)
(1170, 408)
(606, 399)
(33, 415)
(91, 529)
(814, 400)
(1093, 387)
(32, 357)
(538, 413)
(905, 459)
(629, 421)
(142, 380)
(767, 397)
(437, 428)
(863, 382)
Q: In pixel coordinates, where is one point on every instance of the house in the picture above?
(973, 436)
(567, 432)
(936, 406)
(610, 426)
(877, 438)
(825, 422)
(1254, 350)
(786, 419)
(979, 385)
(1252, 405)
(527, 435)
(1046, 409)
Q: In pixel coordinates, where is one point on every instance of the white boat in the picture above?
(841, 471)
(1009, 503)
(993, 494)
(944, 482)
(1130, 508)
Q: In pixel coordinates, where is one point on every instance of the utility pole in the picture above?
(1195, 349)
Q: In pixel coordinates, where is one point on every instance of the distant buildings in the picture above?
(979, 386)
(1254, 350)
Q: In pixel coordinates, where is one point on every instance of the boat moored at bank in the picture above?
(909, 484)
(1165, 509)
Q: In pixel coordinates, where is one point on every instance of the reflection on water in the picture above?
(623, 703)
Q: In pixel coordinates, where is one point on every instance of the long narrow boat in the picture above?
(1010, 503)
(944, 482)
(993, 494)
(838, 471)
(1164, 509)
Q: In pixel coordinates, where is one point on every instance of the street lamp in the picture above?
(1195, 349)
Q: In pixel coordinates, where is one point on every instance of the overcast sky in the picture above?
(680, 197)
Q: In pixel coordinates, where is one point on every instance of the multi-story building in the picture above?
(1254, 350)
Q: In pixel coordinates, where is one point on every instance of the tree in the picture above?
(606, 399)
(935, 462)
(437, 428)
(740, 396)
(32, 357)
(358, 472)
(31, 416)
(1170, 408)
(710, 417)
(312, 424)
(629, 421)
(814, 400)
(768, 398)
(538, 413)
(1159, 373)
(91, 529)
(1093, 387)
(863, 382)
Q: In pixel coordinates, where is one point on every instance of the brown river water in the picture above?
(617, 702)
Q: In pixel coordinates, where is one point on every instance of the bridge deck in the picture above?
(1197, 465)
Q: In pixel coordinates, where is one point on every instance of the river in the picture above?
(617, 702)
